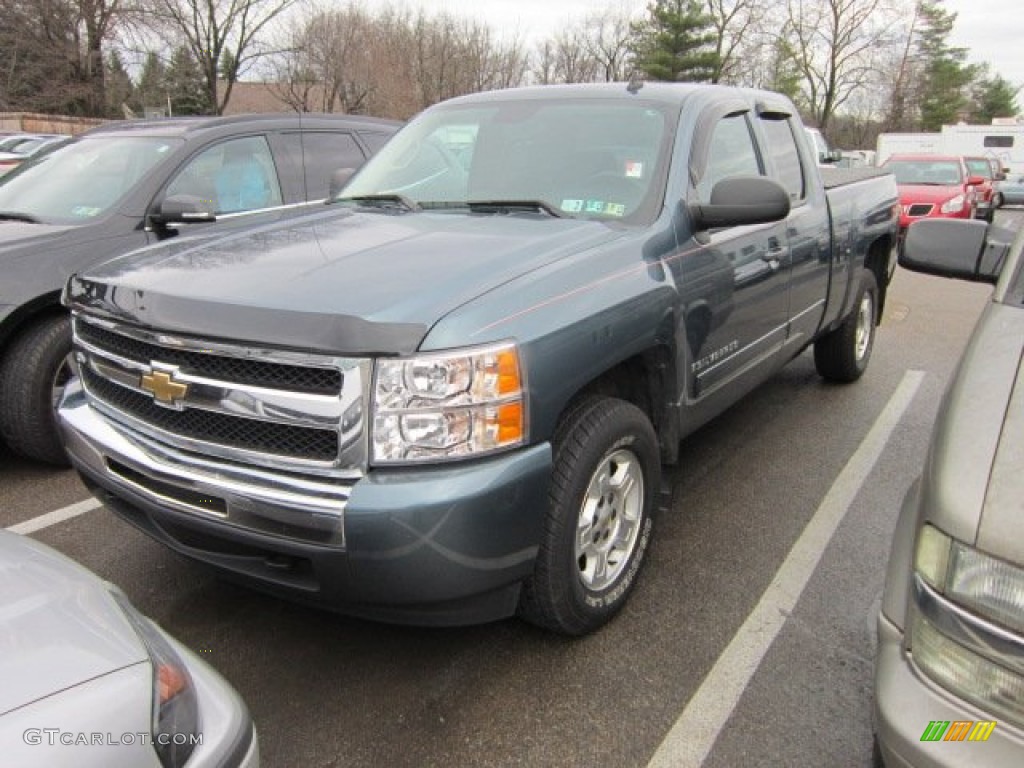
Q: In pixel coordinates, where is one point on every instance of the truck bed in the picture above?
(840, 177)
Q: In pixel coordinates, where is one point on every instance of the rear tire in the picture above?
(606, 477)
(843, 354)
(33, 374)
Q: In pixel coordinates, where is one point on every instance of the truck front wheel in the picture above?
(606, 476)
(843, 354)
(33, 375)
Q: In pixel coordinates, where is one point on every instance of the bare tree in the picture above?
(835, 44)
(736, 24)
(608, 36)
(224, 36)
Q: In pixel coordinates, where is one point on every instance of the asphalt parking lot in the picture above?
(748, 642)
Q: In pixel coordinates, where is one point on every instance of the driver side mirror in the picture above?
(741, 200)
(974, 181)
(184, 209)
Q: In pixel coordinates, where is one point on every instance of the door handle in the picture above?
(774, 256)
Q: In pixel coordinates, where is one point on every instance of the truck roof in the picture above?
(669, 93)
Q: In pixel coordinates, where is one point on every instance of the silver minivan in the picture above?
(949, 679)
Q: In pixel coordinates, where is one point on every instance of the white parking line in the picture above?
(57, 516)
(693, 735)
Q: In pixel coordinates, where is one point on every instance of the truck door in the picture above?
(733, 282)
(807, 227)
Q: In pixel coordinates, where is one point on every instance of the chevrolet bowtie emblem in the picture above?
(163, 387)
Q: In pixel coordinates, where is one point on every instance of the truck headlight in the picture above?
(989, 587)
(448, 405)
(954, 204)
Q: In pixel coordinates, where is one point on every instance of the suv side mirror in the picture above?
(184, 209)
(741, 200)
(974, 181)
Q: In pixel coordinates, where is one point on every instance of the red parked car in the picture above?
(935, 187)
(988, 195)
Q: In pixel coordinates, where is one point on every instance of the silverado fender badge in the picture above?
(164, 389)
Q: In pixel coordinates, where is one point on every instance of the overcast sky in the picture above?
(993, 30)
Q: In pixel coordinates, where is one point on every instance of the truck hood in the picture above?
(928, 193)
(344, 282)
(59, 625)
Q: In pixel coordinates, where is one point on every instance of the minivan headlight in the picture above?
(988, 586)
(448, 405)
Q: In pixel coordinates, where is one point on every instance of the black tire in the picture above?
(606, 447)
(32, 373)
(843, 354)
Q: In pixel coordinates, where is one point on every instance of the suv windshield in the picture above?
(596, 158)
(82, 180)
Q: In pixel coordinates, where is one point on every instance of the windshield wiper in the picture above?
(17, 216)
(385, 201)
(505, 206)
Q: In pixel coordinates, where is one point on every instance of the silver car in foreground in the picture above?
(949, 680)
(87, 681)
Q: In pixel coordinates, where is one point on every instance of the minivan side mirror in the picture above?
(958, 248)
(741, 200)
(184, 209)
(974, 181)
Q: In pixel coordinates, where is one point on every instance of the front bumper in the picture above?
(448, 544)
(905, 704)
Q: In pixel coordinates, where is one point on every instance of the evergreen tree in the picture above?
(995, 97)
(945, 75)
(150, 92)
(186, 85)
(676, 42)
(119, 87)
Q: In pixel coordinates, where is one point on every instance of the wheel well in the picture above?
(645, 380)
(26, 315)
(877, 260)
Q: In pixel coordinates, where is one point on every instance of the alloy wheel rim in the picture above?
(608, 525)
(865, 326)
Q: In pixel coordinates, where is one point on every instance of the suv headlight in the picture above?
(448, 405)
(954, 204)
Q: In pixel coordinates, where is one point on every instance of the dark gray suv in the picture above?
(128, 184)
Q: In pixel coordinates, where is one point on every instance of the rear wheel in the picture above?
(843, 354)
(606, 476)
(33, 375)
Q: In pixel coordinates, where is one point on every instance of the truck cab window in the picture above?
(782, 148)
(732, 153)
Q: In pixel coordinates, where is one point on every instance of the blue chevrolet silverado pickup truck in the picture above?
(448, 396)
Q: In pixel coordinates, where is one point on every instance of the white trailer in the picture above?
(1003, 142)
(907, 144)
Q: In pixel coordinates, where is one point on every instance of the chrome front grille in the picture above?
(284, 410)
(295, 378)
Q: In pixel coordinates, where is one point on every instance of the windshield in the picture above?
(936, 172)
(80, 181)
(597, 158)
(979, 168)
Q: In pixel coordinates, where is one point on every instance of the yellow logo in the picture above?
(162, 386)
